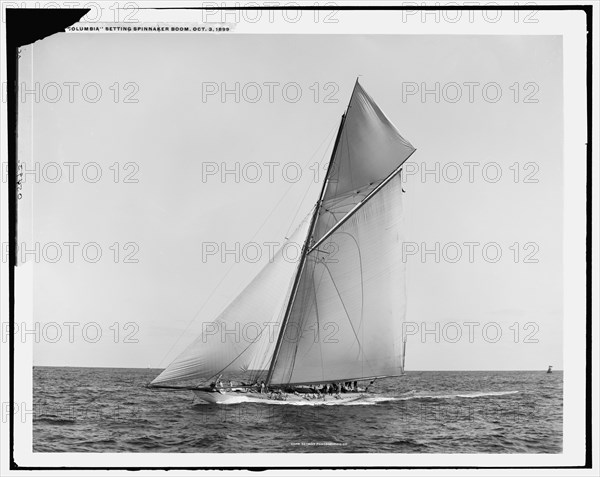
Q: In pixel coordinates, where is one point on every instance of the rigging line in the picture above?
(338, 209)
(343, 137)
(307, 297)
(334, 175)
(349, 162)
(307, 241)
(289, 299)
(362, 299)
(310, 185)
(234, 264)
(304, 299)
(341, 197)
(306, 311)
(343, 202)
(363, 202)
(344, 305)
(316, 286)
(334, 179)
(318, 325)
(365, 188)
(334, 205)
(269, 354)
(240, 354)
(336, 212)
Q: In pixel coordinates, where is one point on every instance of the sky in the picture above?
(181, 129)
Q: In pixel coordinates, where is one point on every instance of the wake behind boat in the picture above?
(333, 317)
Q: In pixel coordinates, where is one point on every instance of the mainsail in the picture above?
(345, 318)
(340, 309)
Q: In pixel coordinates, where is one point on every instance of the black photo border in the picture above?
(25, 26)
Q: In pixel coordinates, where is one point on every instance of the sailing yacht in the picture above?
(335, 314)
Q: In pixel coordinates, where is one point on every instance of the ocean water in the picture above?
(110, 410)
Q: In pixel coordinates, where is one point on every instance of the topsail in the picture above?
(369, 149)
(340, 309)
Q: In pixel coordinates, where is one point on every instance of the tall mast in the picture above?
(306, 245)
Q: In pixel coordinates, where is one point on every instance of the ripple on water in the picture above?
(100, 410)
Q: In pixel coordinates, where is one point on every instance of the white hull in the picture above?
(220, 398)
(234, 397)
